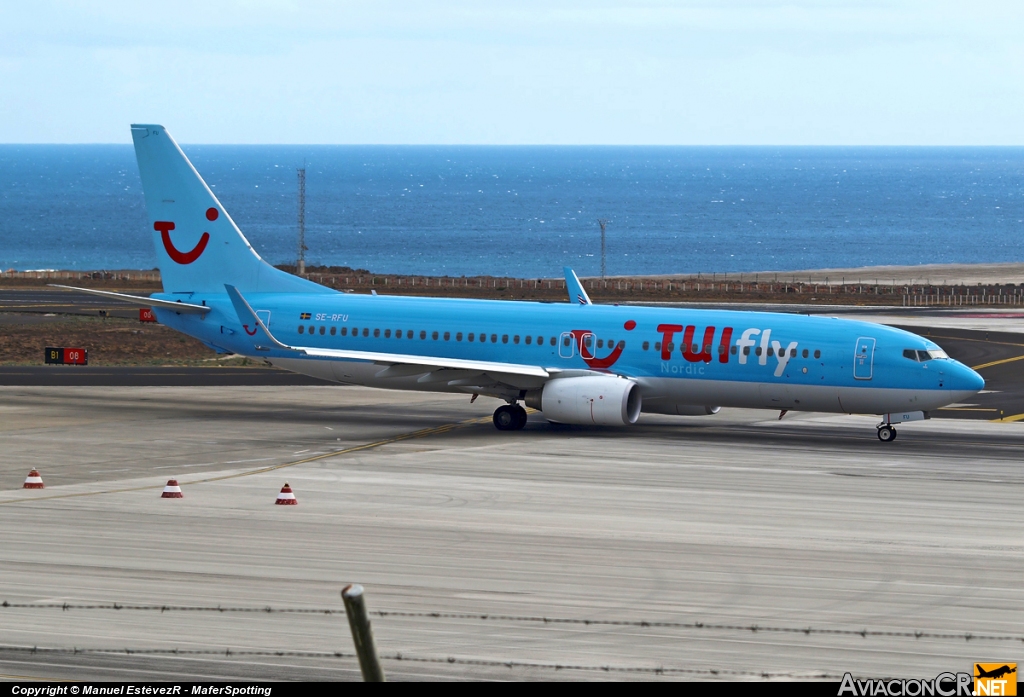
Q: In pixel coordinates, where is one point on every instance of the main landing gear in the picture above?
(886, 433)
(509, 417)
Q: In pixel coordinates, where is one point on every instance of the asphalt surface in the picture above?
(663, 544)
(131, 376)
(54, 300)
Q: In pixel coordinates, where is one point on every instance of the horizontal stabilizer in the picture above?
(142, 301)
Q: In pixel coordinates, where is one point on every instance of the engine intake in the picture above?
(591, 400)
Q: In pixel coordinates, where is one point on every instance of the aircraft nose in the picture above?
(965, 381)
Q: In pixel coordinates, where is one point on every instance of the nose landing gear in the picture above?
(509, 417)
(886, 434)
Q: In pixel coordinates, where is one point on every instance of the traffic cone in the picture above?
(33, 481)
(172, 490)
(286, 497)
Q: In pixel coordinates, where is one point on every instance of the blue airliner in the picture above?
(576, 362)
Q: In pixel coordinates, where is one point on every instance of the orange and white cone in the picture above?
(172, 490)
(33, 481)
(286, 497)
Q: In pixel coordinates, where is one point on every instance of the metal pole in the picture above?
(362, 633)
(603, 224)
(300, 264)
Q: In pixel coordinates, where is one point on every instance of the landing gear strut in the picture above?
(509, 417)
(886, 434)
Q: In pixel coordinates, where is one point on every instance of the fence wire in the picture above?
(533, 619)
(445, 660)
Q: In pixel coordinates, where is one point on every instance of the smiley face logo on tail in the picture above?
(164, 227)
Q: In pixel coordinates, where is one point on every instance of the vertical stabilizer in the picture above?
(198, 247)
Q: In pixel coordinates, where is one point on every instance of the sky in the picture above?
(722, 72)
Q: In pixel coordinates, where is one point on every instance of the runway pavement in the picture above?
(704, 524)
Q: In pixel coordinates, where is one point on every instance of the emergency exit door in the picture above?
(864, 358)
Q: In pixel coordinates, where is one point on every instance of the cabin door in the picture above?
(567, 345)
(864, 358)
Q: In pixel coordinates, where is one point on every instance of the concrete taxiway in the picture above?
(731, 521)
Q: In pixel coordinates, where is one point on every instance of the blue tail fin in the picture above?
(198, 247)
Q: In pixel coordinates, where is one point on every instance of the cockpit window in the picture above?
(922, 356)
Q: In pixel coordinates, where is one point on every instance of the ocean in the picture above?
(528, 211)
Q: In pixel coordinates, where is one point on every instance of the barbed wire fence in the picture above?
(694, 626)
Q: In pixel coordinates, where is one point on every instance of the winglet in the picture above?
(575, 288)
(263, 340)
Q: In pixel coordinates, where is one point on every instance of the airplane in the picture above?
(575, 362)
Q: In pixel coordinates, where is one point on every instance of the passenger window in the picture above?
(334, 330)
(817, 353)
(771, 351)
(458, 336)
(515, 339)
(732, 350)
(565, 341)
(554, 341)
(423, 335)
(494, 338)
(434, 336)
(469, 337)
(671, 346)
(312, 329)
(722, 349)
(302, 329)
(366, 331)
(805, 353)
(757, 351)
(746, 350)
(611, 343)
(792, 353)
(376, 333)
(529, 339)
(504, 338)
(696, 349)
(600, 343)
(622, 345)
(344, 331)
(447, 335)
(540, 341)
(657, 345)
(588, 340)
(387, 333)
(646, 345)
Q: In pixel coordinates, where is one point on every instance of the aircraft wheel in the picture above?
(506, 418)
(887, 434)
(520, 417)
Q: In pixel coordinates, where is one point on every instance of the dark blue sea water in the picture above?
(527, 211)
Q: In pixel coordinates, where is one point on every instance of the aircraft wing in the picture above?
(142, 301)
(398, 364)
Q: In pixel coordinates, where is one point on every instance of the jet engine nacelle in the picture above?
(604, 401)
